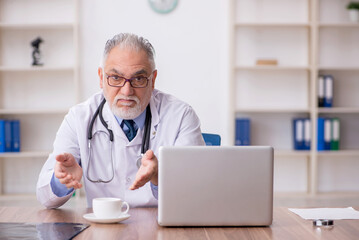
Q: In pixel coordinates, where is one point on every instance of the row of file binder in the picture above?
(325, 90)
(9, 135)
(301, 133)
(328, 134)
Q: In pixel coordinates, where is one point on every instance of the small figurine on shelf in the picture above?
(36, 55)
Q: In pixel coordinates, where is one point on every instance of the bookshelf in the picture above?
(307, 38)
(39, 96)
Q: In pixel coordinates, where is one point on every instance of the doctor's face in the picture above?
(127, 102)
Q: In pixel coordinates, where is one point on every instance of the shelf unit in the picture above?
(39, 96)
(308, 38)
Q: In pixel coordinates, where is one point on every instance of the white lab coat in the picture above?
(173, 123)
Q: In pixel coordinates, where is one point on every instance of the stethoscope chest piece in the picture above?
(139, 161)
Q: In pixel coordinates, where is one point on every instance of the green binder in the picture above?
(335, 138)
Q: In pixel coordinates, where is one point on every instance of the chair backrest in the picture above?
(212, 139)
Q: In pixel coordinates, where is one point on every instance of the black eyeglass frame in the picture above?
(127, 80)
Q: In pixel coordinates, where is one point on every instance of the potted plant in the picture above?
(353, 8)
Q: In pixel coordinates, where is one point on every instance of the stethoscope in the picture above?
(144, 147)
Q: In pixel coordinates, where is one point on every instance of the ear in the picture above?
(154, 78)
(100, 75)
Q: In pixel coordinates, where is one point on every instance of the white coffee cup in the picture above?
(106, 208)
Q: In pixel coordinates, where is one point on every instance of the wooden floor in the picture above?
(280, 200)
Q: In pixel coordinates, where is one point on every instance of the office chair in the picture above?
(212, 139)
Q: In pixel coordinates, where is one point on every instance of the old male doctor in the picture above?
(108, 167)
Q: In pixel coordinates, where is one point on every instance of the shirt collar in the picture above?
(140, 120)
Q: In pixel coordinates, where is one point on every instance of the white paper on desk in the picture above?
(326, 213)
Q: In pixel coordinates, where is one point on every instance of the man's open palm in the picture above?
(68, 171)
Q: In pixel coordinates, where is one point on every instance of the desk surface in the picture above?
(143, 225)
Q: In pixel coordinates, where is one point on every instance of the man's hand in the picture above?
(147, 172)
(68, 171)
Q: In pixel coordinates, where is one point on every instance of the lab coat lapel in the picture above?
(155, 118)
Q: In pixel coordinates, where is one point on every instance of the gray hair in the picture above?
(133, 42)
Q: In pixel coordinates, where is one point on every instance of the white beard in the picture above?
(130, 112)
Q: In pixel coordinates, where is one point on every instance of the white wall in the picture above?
(191, 47)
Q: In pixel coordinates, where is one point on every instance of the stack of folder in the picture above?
(9, 135)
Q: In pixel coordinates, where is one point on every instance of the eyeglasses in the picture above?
(135, 82)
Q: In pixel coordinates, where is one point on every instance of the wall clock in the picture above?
(163, 6)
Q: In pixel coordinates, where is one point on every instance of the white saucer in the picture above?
(92, 218)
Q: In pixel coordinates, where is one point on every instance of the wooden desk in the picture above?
(143, 225)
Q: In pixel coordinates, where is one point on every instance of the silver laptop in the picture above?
(215, 186)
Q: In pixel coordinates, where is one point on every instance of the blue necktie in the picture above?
(131, 132)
